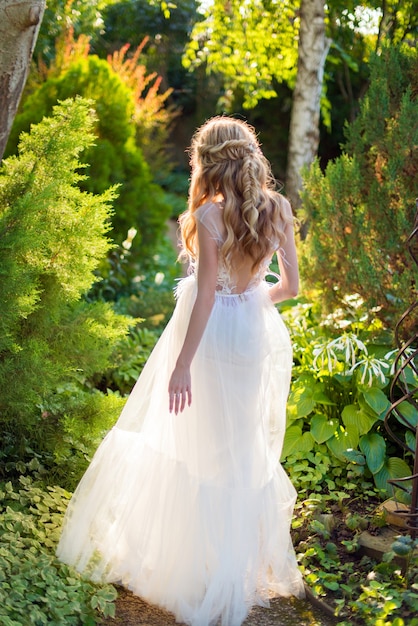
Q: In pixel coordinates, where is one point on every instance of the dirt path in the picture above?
(132, 611)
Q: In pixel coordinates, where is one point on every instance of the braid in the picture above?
(230, 150)
(250, 196)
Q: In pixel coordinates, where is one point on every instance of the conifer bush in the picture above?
(52, 238)
(360, 211)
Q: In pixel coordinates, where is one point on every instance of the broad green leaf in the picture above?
(303, 400)
(322, 428)
(409, 412)
(410, 440)
(354, 456)
(376, 399)
(374, 448)
(292, 437)
(393, 467)
(331, 585)
(306, 443)
(366, 408)
(342, 441)
(296, 441)
(321, 397)
(401, 548)
(356, 420)
(410, 377)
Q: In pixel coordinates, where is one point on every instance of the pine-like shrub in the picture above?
(52, 238)
(360, 212)
(115, 157)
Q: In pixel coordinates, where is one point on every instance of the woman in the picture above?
(185, 501)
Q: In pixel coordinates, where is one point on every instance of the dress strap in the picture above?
(210, 215)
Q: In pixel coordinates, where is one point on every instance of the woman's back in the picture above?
(239, 275)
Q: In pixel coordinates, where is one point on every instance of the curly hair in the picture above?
(227, 161)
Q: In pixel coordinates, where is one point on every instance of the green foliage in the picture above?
(399, 22)
(74, 420)
(83, 16)
(53, 236)
(361, 591)
(148, 299)
(115, 158)
(153, 116)
(228, 40)
(336, 407)
(130, 357)
(147, 296)
(133, 20)
(176, 184)
(346, 72)
(360, 211)
(35, 587)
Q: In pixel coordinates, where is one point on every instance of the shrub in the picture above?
(130, 357)
(335, 434)
(152, 115)
(115, 157)
(361, 210)
(53, 236)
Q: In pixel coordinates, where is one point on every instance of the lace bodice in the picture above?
(210, 215)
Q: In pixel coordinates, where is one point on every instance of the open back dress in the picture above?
(192, 511)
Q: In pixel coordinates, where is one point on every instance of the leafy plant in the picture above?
(336, 407)
(153, 115)
(35, 587)
(129, 360)
(360, 590)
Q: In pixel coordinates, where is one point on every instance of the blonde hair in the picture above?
(226, 160)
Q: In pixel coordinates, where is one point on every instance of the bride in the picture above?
(185, 502)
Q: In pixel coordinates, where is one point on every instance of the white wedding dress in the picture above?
(192, 511)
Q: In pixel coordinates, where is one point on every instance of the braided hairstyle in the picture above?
(227, 161)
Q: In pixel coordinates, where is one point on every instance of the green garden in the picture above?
(92, 181)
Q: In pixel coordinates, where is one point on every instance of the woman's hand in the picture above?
(179, 389)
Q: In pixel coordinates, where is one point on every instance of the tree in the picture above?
(399, 21)
(20, 21)
(134, 20)
(304, 122)
(252, 45)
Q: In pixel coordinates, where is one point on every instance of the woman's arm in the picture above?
(288, 263)
(179, 387)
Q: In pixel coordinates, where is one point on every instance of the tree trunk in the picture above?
(19, 25)
(304, 121)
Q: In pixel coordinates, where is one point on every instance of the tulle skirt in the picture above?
(192, 511)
